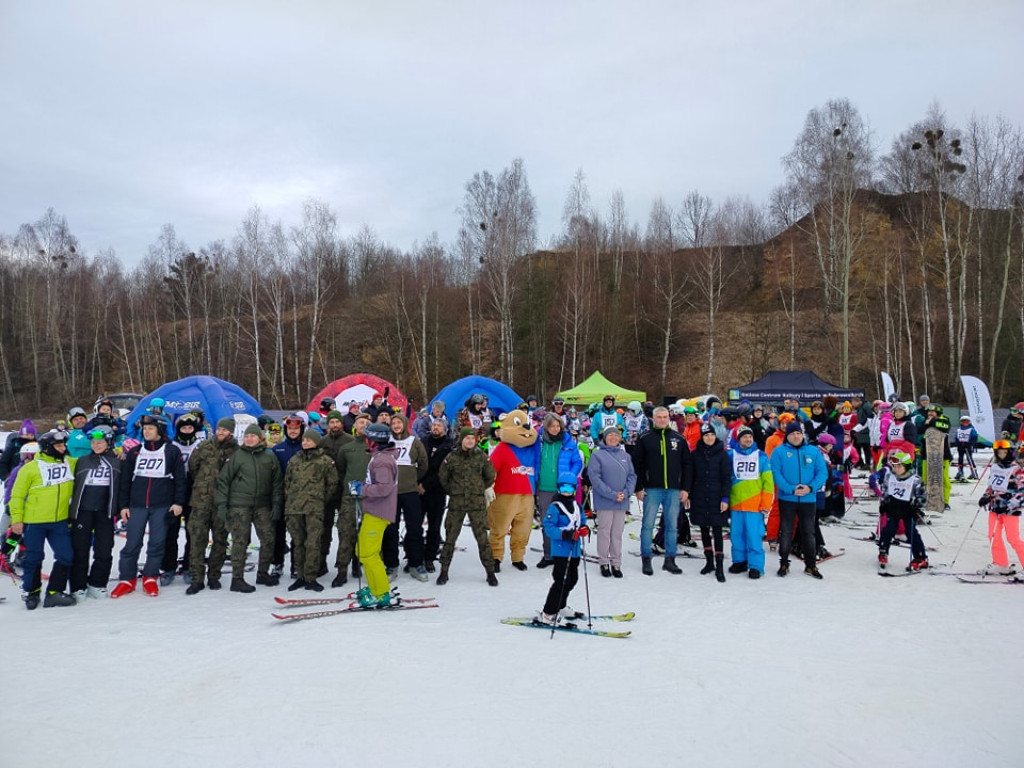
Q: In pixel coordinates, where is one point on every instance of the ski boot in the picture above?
(883, 559)
(996, 570)
(918, 564)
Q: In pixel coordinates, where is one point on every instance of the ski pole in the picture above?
(969, 529)
(561, 595)
(982, 475)
(586, 584)
(355, 549)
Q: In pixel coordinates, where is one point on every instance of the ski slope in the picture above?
(853, 670)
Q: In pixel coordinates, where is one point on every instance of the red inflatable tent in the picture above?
(359, 388)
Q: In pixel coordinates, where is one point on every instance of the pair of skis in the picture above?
(572, 626)
(350, 603)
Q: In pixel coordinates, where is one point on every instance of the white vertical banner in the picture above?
(887, 387)
(979, 403)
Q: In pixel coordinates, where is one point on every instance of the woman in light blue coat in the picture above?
(613, 479)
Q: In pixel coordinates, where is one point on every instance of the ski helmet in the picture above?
(1018, 408)
(188, 418)
(965, 417)
(380, 434)
(29, 449)
(634, 406)
(1000, 445)
(327, 404)
(51, 438)
(901, 457)
(156, 421)
(102, 432)
(826, 439)
(567, 480)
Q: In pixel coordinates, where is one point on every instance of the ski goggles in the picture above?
(100, 434)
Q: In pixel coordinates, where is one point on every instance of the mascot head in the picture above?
(517, 430)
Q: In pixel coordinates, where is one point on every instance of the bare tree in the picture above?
(830, 161)
(499, 224)
(669, 278)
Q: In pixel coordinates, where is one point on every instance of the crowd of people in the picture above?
(363, 476)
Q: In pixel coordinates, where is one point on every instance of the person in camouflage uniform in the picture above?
(310, 479)
(352, 461)
(205, 464)
(335, 439)
(467, 476)
(250, 492)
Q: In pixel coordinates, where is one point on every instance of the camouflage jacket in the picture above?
(205, 464)
(310, 479)
(465, 474)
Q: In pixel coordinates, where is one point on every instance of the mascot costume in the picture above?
(516, 461)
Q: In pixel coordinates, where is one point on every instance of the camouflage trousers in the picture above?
(306, 531)
(457, 513)
(202, 524)
(240, 523)
(346, 533)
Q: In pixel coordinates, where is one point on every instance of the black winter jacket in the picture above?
(712, 481)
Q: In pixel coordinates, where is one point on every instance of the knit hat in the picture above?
(744, 431)
(310, 434)
(335, 414)
(227, 423)
(706, 428)
(466, 431)
(254, 429)
(611, 428)
(793, 427)
(28, 429)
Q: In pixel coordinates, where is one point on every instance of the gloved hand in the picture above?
(276, 514)
(222, 514)
(387, 390)
(489, 495)
(984, 500)
(581, 531)
(568, 534)
(356, 488)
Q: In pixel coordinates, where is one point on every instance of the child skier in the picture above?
(903, 499)
(966, 442)
(1004, 497)
(564, 525)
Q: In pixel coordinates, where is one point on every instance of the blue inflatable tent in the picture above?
(501, 399)
(216, 398)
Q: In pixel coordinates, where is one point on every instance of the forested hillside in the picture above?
(910, 262)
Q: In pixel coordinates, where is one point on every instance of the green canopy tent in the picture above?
(595, 388)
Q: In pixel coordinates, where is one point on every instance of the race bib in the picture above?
(895, 431)
(609, 420)
(744, 467)
(475, 421)
(403, 457)
(963, 435)
(151, 464)
(54, 474)
(100, 475)
(999, 480)
(186, 450)
(901, 489)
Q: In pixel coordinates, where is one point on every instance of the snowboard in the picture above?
(934, 442)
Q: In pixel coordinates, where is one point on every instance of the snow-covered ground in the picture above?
(854, 670)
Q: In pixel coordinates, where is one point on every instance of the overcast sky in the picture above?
(128, 115)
